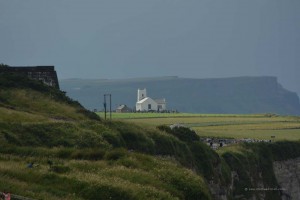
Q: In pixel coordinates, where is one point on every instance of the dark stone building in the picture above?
(46, 74)
(123, 109)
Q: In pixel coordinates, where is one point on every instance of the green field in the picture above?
(258, 126)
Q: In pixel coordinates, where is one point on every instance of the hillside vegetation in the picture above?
(76, 156)
(52, 148)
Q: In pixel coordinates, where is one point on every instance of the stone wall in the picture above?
(46, 74)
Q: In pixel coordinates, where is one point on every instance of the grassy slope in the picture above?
(31, 105)
(78, 157)
(89, 158)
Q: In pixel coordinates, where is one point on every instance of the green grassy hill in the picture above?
(77, 156)
(52, 148)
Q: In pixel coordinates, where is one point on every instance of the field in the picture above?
(258, 126)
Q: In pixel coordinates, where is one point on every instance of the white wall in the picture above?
(144, 105)
(163, 107)
(141, 94)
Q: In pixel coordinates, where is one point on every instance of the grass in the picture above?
(274, 135)
(168, 115)
(32, 103)
(259, 126)
(9, 115)
(145, 178)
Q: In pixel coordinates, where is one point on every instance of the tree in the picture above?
(3, 65)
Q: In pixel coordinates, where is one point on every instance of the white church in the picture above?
(145, 103)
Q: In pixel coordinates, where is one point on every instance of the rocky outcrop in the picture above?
(259, 172)
(288, 177)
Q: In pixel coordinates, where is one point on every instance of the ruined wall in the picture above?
(46, 74)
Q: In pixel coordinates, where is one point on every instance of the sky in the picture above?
(148, 38)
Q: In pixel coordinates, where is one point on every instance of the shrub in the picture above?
(190, 186)
(170, 146)
(89, 139)
(89, 114)
(64, 153)
(284, 150)
(164, 128)
(115, 154)
(113, 138)
(134, 137)
(239, 164)
(88, 154)
(59, 169)
(183, 133)
(205, 159)
(105, 192)
(137, 141)
(11, 138)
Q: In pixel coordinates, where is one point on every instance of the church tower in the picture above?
(141, 94)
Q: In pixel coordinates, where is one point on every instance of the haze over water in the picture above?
(142, 38)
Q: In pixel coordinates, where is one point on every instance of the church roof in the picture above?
(160, 101)
(121, 107)
(144, 99)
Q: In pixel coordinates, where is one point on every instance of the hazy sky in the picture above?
(145, 38)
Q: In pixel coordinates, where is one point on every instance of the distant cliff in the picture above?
(220, 95)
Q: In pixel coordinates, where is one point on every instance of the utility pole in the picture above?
(105, 105)
(110, 105)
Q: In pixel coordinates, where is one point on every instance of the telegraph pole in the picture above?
(110, 105)
(105, 105)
